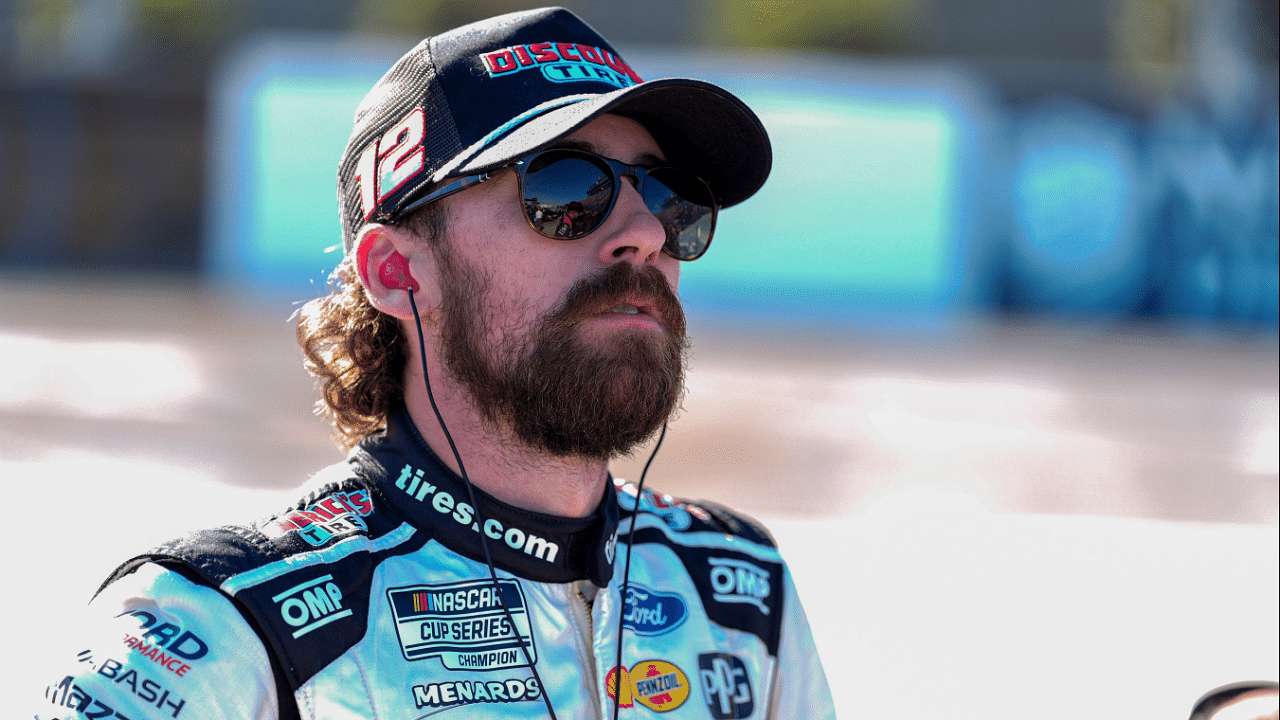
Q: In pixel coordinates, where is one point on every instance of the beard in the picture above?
(549, 389)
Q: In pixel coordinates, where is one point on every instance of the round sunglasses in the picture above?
(568, 193)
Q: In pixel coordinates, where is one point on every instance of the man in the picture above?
(473, 554)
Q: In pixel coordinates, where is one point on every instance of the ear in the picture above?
(389, 259)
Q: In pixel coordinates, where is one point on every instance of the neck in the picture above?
(494, 461)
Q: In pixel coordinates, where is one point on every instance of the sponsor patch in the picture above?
(467, 692)
(165, 644)
(739, 581)
(561, 63)
(464, 624)
(676, 514)
(67, 694)
(414, 483)
(311, 605)
(655, 684)
(611, 686)
(336, 516)
(650, 612)
(726, 686)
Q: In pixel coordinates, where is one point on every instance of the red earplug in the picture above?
(394, 273)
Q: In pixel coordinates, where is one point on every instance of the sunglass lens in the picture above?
(566, 194)
(686, 207)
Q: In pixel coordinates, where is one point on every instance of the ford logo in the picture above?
(650, 612)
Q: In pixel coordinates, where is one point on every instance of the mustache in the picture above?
(622, 283)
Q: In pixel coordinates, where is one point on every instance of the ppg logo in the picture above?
(311, 605)
(726, 688)
(738, 581)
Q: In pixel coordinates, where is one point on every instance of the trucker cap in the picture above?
(481, 96)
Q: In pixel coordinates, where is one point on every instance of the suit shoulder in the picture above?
(682, 515)
(336, 504)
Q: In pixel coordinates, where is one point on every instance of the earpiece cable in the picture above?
(626, 576)
(471, 493)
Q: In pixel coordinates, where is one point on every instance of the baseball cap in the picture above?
(483, 95)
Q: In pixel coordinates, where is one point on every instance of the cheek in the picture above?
(671, 269)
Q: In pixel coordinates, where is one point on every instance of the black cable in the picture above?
(484, 543)
(626, 576)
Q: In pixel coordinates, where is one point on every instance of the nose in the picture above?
(632, 233)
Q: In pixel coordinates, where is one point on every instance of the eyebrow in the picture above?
(647, 159)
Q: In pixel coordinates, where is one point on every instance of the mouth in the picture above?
(636, 311)
(636, 306)
(633, 299)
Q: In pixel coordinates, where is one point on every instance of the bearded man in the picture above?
(482, 364)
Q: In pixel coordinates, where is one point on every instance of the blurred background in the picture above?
(994, 351)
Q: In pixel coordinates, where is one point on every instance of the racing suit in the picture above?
(372, 598)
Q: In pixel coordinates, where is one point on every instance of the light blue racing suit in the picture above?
(371, 598)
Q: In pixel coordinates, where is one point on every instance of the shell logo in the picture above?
(655, 684)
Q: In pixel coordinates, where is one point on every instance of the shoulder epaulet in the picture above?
(733, 522)
(740, 583)
(211, 555)
(299, 577)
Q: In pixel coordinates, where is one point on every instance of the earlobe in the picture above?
(380, 256)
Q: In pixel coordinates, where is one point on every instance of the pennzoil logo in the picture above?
(335, 516)
(464, 624)
(655, 684)
(562, 62)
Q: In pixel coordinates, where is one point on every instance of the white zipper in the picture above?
(583, 621)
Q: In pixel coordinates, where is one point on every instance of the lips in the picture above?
(636, 306)
(625, 290)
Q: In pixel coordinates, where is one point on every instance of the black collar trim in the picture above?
(543, 548)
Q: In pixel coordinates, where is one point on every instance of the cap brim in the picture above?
(698, 125)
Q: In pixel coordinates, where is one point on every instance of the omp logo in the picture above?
(464, 624)
(726, 687)
(650, 612)
(337, 515)
(311, 605)
(738, 581)
(562, 62)
(466, 692)
(414, 483)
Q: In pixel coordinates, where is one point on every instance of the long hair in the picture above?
(356, 352)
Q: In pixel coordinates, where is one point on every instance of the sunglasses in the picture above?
(569, 193)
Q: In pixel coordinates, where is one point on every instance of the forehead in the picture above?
(618, 138)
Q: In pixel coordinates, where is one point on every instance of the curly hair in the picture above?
(356, 352)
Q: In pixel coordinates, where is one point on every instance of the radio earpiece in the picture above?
(394, 273)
